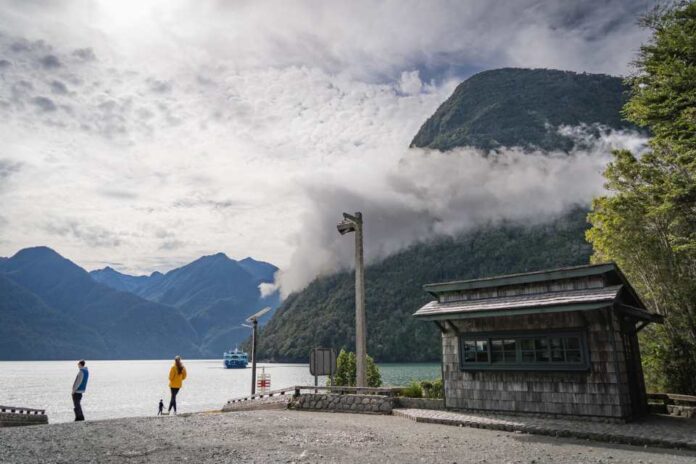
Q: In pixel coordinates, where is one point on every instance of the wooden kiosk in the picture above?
(557, 342)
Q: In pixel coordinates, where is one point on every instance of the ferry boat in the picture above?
(235, 359)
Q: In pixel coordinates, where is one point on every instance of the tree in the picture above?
(346, 371)
(648, 222)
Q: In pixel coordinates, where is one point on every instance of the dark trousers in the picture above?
(172, 402)
(76, 399)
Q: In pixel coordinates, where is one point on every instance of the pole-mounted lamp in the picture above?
(354, 223)
(253, 320)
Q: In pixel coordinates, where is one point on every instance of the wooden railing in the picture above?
(672, 398)
(297, 390)
(20, 410)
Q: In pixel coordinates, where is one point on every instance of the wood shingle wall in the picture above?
(602, 391)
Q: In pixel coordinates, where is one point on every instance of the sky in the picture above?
(144, 134)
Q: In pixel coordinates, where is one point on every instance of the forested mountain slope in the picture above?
(493, 109)
(323, 314)
(523, 107)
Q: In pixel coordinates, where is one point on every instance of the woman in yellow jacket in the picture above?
(177, 374)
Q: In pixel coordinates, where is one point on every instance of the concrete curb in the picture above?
(553, 432)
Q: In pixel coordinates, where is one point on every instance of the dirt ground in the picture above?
(284, 436)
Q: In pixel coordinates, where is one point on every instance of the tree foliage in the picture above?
(648, 222)
(346, 371)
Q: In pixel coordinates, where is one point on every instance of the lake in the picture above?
(133, 388)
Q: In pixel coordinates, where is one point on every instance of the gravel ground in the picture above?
(302, 437)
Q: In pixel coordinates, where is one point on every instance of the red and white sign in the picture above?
(263, 382)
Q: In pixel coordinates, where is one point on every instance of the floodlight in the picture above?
(256, 316)
(345, 226)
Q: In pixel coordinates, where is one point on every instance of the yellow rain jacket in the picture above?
(175, 379)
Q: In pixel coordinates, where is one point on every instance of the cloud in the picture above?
(267, 289)
(44, 103)
(50, 62)
(417, 194)
(118, 194)
(86, 54)
(59, 88)
(436, 37)
(93, 236)
(8, 168)
(172, 245)
(248, 127)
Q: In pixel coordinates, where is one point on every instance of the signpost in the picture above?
(322, 361)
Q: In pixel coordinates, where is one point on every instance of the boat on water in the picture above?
(235, 359)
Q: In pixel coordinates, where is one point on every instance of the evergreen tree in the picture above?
(346, 371)
(648, 222)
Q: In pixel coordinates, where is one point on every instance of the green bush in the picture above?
(434, 389)
(346, 371)
(413, 390)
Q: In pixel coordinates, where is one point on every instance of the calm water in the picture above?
(133, 388)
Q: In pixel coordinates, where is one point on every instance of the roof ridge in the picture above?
(601, 268)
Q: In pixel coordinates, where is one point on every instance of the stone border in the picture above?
(274, 402)
(365, 404)
(8, 419)
(493, 423)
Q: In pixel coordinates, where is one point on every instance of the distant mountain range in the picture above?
(53, 309)
(493, 109)
(215, 294)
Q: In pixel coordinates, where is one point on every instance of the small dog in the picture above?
(160, 410)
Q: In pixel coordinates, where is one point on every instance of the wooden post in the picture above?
(253, 357)
(354, 223)
(360, 326)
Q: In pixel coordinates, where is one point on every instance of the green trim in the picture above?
(464, 314)
(519, 279)
(580, 334)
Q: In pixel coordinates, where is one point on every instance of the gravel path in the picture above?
(297, 436)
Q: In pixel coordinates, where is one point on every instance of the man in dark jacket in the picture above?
(79, 387)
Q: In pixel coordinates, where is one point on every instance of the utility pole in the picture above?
(354, 223)
(255, 324)
(254, 321)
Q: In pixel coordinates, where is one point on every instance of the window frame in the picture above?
(518, 365)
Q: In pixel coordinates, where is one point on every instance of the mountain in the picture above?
(48, 287)
(263, 271)
(123, 282)
(214, 293)
(29, 329)
(504, 107)
(523, 107)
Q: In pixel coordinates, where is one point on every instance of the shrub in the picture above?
(346, 371)
(434, 389)
(413, 390)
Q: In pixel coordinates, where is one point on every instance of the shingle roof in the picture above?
(525, 278)
(571, 300)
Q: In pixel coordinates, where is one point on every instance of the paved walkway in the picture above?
(663, 431)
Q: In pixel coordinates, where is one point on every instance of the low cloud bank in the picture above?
(414, 195)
